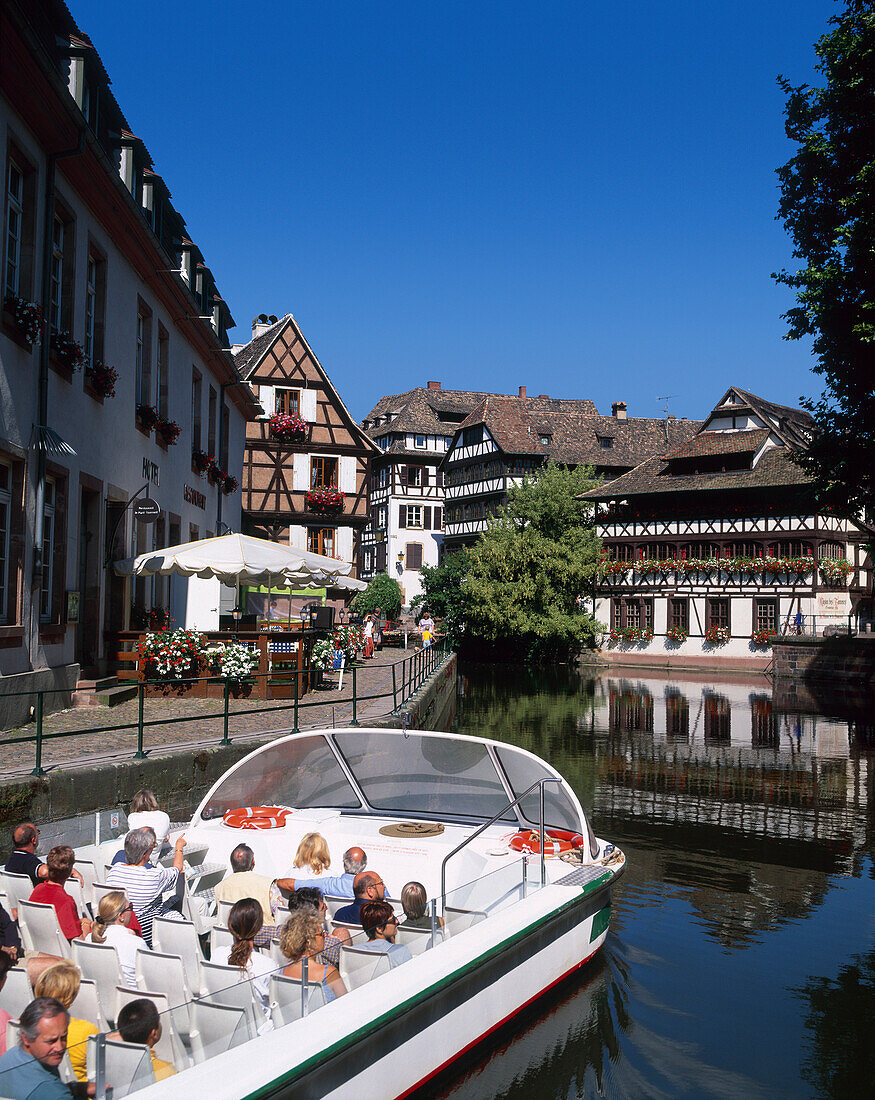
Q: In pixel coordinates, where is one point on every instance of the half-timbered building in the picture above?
(506, 438)
(720, 543)
(412, 431)
(305, 468)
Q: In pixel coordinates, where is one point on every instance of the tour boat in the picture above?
(464, 816)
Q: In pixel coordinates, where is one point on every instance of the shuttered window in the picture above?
(414, 555)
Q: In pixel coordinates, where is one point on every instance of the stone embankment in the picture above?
(837, 660)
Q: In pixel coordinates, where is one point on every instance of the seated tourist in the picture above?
(340, 886)
(61, 980)
(24, 860)
(381, 926)
(10, 940)
(60, 862)
(139, 1022)
(145, 885)
(243, 882)
(414, 901)
(144, 811)
(367, 886)
(31, 1068)
(112, 925)
(309, 900)
(245, 921)
(303, 935)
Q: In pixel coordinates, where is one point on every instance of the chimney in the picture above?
(618, 410)
(545, 396)
(262, 323)
(522, 391)
(434, 385)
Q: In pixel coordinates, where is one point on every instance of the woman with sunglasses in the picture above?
(112, 926)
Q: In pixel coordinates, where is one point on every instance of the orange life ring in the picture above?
(557, 841)
(256, 817)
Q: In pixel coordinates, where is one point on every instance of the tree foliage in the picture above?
(532, 566)
(828, 206)
(383, 592)
(442, 593)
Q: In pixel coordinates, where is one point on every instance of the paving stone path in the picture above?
(249, 720)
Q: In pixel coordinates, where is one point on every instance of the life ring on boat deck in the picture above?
(557, 841)
(256, 817)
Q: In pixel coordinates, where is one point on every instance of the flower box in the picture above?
(717, 635)
(676, 635)
(147, 417)
(66, 351)
(27, 318)
(201, 462)
(324, 500)
(763, 637)
(215, 474)
(287, 428)
(166, 431)
(229, 484)
(101, 379)
(835, 571)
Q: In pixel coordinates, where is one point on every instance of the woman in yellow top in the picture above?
(61, 981)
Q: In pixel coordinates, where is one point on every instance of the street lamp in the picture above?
(237, 615)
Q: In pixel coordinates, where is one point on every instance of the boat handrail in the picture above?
(539, 783)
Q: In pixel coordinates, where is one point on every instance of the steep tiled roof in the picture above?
(248, 356)
(722, 443)
(418, 411)
(775, 469)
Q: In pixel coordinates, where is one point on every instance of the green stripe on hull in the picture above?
(600, 922)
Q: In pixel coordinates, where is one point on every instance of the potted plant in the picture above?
(763, 637)
(235, 662)
(201, 461)
(171, 654)
(835, 571)
(215, 474)
(229, 484)
(67, 351)
(717, 635)
(329, 499)
(166, 431)
(147, 417)
(676, 634)
(101, 378)
(27, 317)
(287, 428)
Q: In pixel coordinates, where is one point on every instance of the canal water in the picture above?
(741, 956)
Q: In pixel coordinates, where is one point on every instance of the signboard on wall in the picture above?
(146, 510)
(72, 607)
(833, 605)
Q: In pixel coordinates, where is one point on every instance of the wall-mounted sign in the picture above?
(146, 510)
(151, 472)
(72, 607)
(192, 496)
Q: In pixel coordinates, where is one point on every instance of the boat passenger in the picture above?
(414, 901)
(60, 862)
(368, 886)
(139, 1022)
(340, 886)
(145, 885)
(144, 811)
(245, 922)
(309, 900)
(381, 925)
(10, 940)
(301, 935)
(61, 980)
(112, 926)
(31, 1068)
(243, 882)
(313, 853)
(24, 860)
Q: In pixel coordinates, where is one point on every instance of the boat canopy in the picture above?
(389, 772)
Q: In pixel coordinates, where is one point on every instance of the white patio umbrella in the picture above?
(238, 559)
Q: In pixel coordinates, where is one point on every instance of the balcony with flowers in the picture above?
(325, 501)
(765, 569)
(287, 428)
(23, 320)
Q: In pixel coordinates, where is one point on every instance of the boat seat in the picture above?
(216, 1028)
(179, 937)
(418, 940)
(128, 1065)
(221, 942)
(223, 911)
(358, 967)
(87, 1005)
(355, 930)
(99, 962)
(226, 985)
(88, 870)
(76, 891)
(285, 998)
(18, 888)
(40, 930)
(17, 993)
(98, 890)
(169, 1047)
(157, 970)
(459, 920)
(333, 903)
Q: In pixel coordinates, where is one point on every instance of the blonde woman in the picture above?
(112, 926)
(313, 853)
(303, 935)
(61, 980)
(244, 922)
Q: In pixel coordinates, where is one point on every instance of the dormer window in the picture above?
(545, 439)
(606, 441)
(419, 442)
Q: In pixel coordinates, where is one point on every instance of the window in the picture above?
(382, 516)
(196, 397)
(606, 441)
(47, 590)
(831, 551)
(95, 306)
(545, 439)
(288, 401)
(413, 555)
(415, 479)
(320, 540)
(765, 615)
(163, 369)
(718, 614)
(144, 356)
(5, 530)
(419, 441)
(56, 277)
(411, 515)
(470, 436)
(679, 613)
(211, 423)
(367, 561)
(383, 478)
(14, 226)
(791, 549)
(323, 472)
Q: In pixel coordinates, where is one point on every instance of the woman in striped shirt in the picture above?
(146, 885)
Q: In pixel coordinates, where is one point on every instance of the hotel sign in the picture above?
(192, 496)
(151, 472)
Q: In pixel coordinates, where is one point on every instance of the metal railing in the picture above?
(539, 783)
(414, 671)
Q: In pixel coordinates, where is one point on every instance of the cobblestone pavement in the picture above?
(320, 708)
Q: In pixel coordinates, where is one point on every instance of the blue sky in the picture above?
(573, 197)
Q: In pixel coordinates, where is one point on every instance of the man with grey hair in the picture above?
(151, 890)
(243, 882)
(30, 1070)
(339, 886)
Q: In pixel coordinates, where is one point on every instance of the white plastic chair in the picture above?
(74, 888)
(17, 993)
(87, 1005)
(99, 962)
(285, 998)
(225, 985)
(156, 970)
(40, 930)
(12, 1031)
(358, 967)
(333, 903)
(18, 888)
(88, 871)
(216, 1028)
(459, 920)
(417, 940)
(356, 932)
(223, 911)
(178, 937)
(128, 1065)
(169, 1047)
(221, 942)
(98, 889)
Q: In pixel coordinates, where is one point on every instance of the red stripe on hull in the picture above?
(495, 1027)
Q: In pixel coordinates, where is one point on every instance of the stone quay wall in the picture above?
(840, 659)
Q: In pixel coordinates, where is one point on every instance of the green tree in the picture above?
(442, 593)
(531, 569)
(383, 592)
(828, 206)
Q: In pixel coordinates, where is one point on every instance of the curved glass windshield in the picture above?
(300, 773)
(522, 771)
(418, 774)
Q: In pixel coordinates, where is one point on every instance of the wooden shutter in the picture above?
(308, 405)
(426, 521)
(414, 555)
(301, 476)
(439, 478)
(402, 473)
(424, 476)
(347, 474)
(267, 398)
(438, 525)
(402, 516)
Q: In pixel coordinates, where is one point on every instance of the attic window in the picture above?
(545, 439)
(606, 441)
(419, 441)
